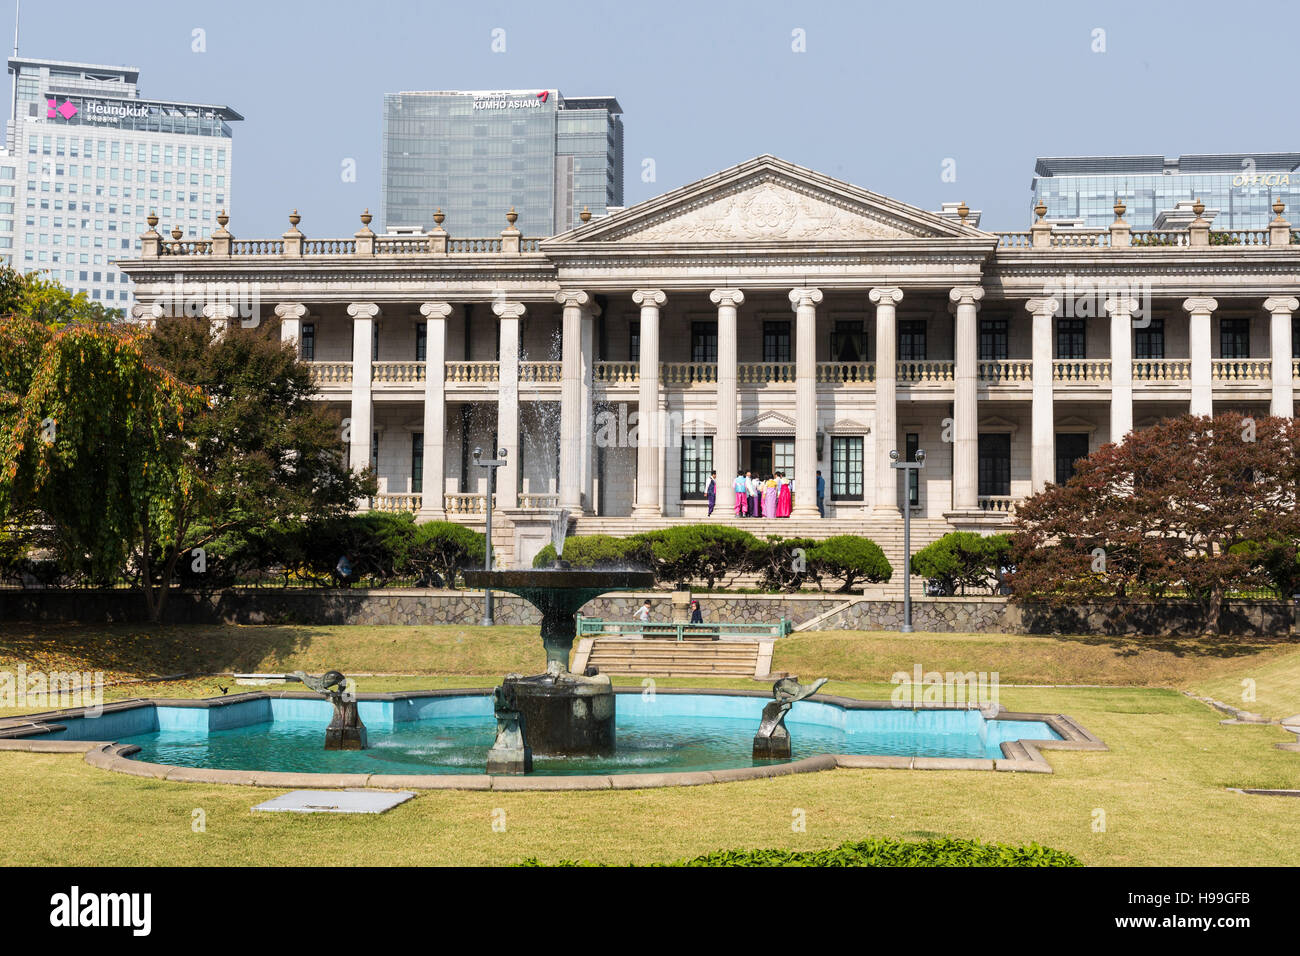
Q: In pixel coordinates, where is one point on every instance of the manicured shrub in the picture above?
(783, 563)
(375, 544)
(439, 551)
(598, 551)
(851, 559)
(706, 552)
(962, 559)
(877, 852)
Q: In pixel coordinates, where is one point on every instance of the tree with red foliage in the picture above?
(1171, 511)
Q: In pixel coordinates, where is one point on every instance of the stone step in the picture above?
(660, 658)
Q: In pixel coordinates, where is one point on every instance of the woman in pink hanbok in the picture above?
(783, 499)
(770, 499)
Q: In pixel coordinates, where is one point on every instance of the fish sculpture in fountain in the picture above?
(346, 731)
(773, 739)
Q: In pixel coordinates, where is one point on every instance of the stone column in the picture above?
(1042, 467)
(574, 437)
(1279, 338)
(964, 302)
(291, 315)
(509, 314)
(1199, 308)
(886, 425)
(363, 422)
(435, 409)
(1121, 308)
(648, 468)
(804, 302)
(587, 459)
(726, 443)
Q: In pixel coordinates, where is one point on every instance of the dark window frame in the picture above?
(1149, 341)
(913, 339)
(994, 471)
(850, 334)
(1071, 339)
(1064, 467)
(844, 475)
(704, 342)
(993, 340)
(693, 483)
(307, 342)
(777, 342)
(1234, 338)
(417, 463)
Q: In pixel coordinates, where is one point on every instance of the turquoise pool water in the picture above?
(658, 733)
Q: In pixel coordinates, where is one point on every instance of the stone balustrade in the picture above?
(1163, 371)
(396, 372)
(1007, 372)
(396, 503)
(688, 373)
(472, 372)
(924, 373)
(1258, 371)
(1081, 370)
(764, 373)
(545, 501)
(541, 372)
(846, 373)
(617, 373)
(467, 504)
(999, 504)
(330, 373)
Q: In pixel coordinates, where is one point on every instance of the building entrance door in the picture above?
(770, 455)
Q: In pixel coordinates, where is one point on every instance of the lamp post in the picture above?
(907, 467)
(491, 465)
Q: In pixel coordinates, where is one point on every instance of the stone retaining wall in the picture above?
(843, 612)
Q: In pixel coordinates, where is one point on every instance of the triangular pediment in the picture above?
(768, 200)
(849, 426)
(767, 423)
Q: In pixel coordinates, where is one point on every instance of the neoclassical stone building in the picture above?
(767, 318)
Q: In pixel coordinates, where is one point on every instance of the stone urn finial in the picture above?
(1198, 207)
(176, 233)
(294, 219)
(366, 217)
(963, 211)
(1040, 210)
(585, 215)
(512, 216)
(222, 219)
(1278, 206)
(1119, 208)
(152, 219)
(438, 217)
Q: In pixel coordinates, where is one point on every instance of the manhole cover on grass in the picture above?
(336, 801)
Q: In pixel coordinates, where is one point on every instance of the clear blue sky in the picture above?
(882, 96)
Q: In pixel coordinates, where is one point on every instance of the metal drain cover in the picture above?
(336, 801)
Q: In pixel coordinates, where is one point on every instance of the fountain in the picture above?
(346, 731)
(559, 713)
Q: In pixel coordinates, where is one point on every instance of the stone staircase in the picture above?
(667, 657)
(886, 533)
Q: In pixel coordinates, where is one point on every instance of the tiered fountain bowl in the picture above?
(563, 714)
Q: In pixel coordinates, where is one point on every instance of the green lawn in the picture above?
(1163, 787)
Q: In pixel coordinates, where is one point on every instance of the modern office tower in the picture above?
(474, 155)
(88, 157)
(1239, 188)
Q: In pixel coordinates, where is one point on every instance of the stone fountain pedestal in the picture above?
(346, 731)
(566, 715)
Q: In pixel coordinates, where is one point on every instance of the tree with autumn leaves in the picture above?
(134, 447)
(1193, 507)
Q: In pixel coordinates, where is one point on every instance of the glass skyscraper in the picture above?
(86, 160)
(1241, 186)
(474, 155)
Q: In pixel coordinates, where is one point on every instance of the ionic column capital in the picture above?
(1120, 305)
(220, 311)
(363, 310)
(291, 310)
(1200, 303)
(577, 299)
(437, 310)
(1281, 303)
(967, 295)
(727, 297)
(508, 310)
(1046, 305)
(802, 298)
(885, 295)
(649, 298)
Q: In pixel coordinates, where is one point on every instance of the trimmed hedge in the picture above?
(875, 852)
(962, 559)
(851, 559)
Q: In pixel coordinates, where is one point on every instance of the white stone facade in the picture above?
(780, 320)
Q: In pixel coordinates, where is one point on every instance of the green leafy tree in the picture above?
(964, 559)
(783, 564)
(440, 550)
(32, 296)
(852, 559)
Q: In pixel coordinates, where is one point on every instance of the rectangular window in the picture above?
(374, 342)
(912, 446)
(374, 450)
(1149, 343)
(309, 341)
(421, 341)
(1295, 336)
(911, 340)
(1069, 449)
(848, 343)
(634, 341)
(697, 462)
(776, 341)
(704, 342)
(1070, 341)
(993, 340)
(1234, 338)
(846, 468)
(417, 463)
(995, 465)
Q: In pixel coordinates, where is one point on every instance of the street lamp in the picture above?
(907, 467)
(491, 465)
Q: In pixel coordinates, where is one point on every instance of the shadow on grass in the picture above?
(1189, 646)
(146, 649)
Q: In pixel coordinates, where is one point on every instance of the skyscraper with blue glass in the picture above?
(475, 155)
(1239, 187)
